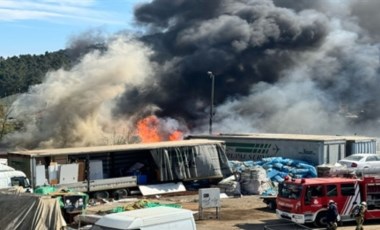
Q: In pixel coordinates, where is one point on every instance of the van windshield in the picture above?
(98, 227)
(20, 181)
(290, 191)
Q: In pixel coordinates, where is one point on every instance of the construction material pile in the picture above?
(262, 177)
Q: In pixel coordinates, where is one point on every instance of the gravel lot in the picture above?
(247, 212)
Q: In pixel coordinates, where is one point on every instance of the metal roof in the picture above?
(115, 148)
(281, 136)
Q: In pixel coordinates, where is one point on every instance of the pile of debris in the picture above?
(262, 177)
(138, 204)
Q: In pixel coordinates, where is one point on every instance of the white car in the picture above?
(361, 161)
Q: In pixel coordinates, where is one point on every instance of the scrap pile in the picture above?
(139, 204)
(262, 177)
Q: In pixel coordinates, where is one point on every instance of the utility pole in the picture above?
(212, 99)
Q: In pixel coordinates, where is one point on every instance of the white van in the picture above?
(166, 218)
(10, 177)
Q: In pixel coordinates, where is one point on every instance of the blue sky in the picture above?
(37, 26)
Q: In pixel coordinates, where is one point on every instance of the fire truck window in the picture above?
(331, 190)
(291, 191)
(347, 189)
(316, 191)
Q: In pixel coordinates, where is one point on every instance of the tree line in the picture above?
(18, 73)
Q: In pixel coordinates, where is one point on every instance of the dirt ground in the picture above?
(247, 212)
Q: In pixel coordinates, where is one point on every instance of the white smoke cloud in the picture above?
(73, 107)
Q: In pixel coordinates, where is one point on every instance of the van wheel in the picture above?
(320, 221)
(101, 195)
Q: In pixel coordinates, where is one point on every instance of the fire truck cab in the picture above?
(306, 200)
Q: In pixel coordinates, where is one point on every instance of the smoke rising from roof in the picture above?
(308, 67)
(73, 108)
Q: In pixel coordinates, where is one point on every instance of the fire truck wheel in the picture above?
(320, 221)
(272, 205)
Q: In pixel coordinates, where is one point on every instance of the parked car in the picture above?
(361, 161)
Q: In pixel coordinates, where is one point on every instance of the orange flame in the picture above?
(176, 135)
(149, 129)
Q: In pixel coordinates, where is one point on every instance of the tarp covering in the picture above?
(255, 175)
(29, 211)
(193, 162)
(278, 167)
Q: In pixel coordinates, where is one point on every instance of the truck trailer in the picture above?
(104, 170)
(314, 149)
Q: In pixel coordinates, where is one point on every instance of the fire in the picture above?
(176, 135)
(152, 129)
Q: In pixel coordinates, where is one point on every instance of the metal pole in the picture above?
(212, 99)
(88, 173)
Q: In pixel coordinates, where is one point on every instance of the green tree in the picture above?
(5, 126)
(17, 74)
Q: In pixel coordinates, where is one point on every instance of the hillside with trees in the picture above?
(17, 73)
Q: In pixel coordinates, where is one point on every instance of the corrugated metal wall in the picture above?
(333, 152)
(363, 147)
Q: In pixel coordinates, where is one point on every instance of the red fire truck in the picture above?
(305, 200)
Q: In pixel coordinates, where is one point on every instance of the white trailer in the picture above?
(102, 184)
(314, 149)
(100, 170)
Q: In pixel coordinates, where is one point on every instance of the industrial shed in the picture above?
(314, 149)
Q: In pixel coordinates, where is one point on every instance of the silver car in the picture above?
(361, 161)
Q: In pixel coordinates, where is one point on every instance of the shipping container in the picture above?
(313, 149)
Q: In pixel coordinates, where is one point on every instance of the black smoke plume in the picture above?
(280, 66)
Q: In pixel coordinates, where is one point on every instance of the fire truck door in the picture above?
(314, 196)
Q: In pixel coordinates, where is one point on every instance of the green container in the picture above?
(152, 205)
(45, 190)
(117, 209)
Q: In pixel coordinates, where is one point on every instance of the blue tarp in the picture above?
(278, 168)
